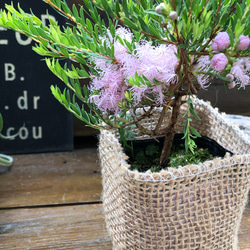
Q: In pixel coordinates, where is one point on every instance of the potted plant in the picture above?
(146, 62)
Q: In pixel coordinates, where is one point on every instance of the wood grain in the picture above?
(52, 178)
(242, 121)
(69, 227)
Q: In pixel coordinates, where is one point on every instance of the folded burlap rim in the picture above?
(217, 128)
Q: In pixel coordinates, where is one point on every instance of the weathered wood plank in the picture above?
(69, 227)
(52, 178)
(242, 121)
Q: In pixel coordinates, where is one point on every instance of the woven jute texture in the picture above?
(191, 207)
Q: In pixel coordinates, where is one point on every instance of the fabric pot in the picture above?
(190, 207)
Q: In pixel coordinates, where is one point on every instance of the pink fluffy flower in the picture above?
(241, 72)
(232, 84)
(219, 62)
(203, 65)
(155, 62)
(244, 43)
(108, 89)
(221, 41)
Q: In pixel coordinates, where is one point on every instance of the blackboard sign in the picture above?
(26, 101)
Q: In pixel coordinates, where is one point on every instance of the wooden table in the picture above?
(52, 201)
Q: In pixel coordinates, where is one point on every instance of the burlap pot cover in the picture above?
(192, 207)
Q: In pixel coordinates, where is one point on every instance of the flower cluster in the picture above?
(158, 62)
(238, 68)
(166, 10)
(155, 62)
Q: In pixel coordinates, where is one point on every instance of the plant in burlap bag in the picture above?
(146, 61)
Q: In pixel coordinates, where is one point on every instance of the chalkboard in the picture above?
(26, 101)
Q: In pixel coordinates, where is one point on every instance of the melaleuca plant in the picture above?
(144, 54)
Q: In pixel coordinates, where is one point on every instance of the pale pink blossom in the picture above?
(219, 62)
(203, 65)
(231, 85)
(241, 72)
(158, 9)
(230, 77)
(108, 89)
(162, 8)
(244, 43)
(221, 41)
(173, 15)
(155, 62)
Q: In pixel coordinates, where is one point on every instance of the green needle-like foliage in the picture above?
(72, 53)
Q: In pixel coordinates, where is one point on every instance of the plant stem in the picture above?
(170, 132)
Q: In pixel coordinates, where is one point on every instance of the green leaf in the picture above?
(130, 24)
(107, 8)
(144, 26)
(85, 115)
(195, 132)
(125, 8)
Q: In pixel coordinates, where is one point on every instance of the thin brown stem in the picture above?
(202, 11)
(161, 39)
(174, 5)
(162, 116)
(169, 136)
(217, 12)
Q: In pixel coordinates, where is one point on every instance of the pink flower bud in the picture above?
(244, 43)
(163, 9)
(230, 77)
(219, 62)
(221, 41)
(160, 8)
(173, 15)
(231, 85)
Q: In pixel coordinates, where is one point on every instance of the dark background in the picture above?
(33, 79)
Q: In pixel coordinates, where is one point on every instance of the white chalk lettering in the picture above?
(9, 70)
(46, 17)
(24, 133)
(22, 101)
(9, 132)
(35, 101)
(22, 41)
(35, 134)
(3, 41)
